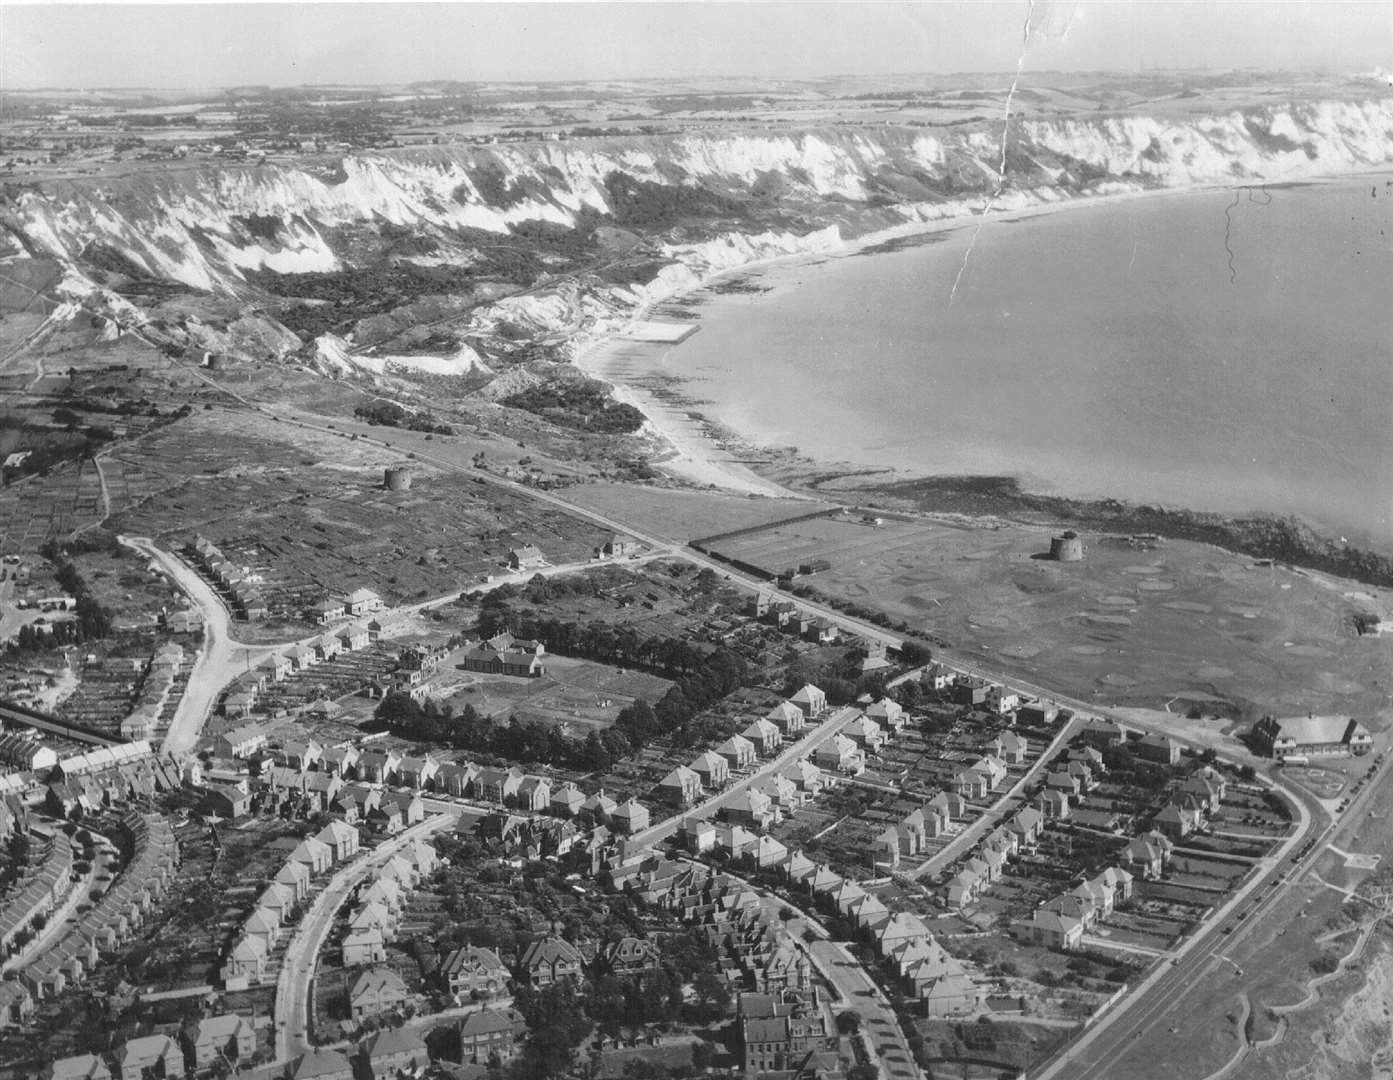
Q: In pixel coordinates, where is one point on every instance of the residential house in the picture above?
(630, 817)
(811, 701)
(1148, 855)
(79, 1067)
(566, 800)
(326, 611)
(378, 766)
(417, 772)
(534, 793)
(697, 835)
(889, 714)
(375, 992)
(712, 769)
(241, 742)
(840, 754)
(769, 852)
(149, 1058)
(339, 760)
(1000, 700)
(1050, 929)
(807, 777)
(549, 960)
(599, 807)
(1027, 826)
(738, 751)
(866, 733)
(498, 785)
(362, 602)
(342, 840)
(474, 972)
(764, 735)
(751, 808)
(528, 557)
(1036, 714)
(392, 1051)
(228, 1038)
(315, 854)
(681, 787)
(366, 945)
(489, 1034)
(320, 1064)
(1158, 748)
(781, 1034)
(1055, 805)
(454, 778)
(1010, 748)
(1209, 786)
(788, 718)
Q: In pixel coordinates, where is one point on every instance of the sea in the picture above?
(1227, 351)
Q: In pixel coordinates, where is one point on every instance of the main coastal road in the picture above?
(292, 1009)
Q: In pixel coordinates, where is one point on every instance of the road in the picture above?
(1094, 1055)
(800, 748)
(217, 662)
(891, 1053)
(292, 1010)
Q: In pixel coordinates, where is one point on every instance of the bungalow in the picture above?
(842, 755)
(1050, 929)
(787, 717)
(811, 701)
(681, 787)
(549, 960)
(866, 733)
(764, 735)
(738, 751)
(712, 769)
(566, 800)
(630, 817)
(377, 991)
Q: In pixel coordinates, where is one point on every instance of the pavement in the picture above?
(292, 1009)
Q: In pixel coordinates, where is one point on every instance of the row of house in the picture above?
(987, 863)
(156, 685)
(788, 616)
(117, 913)
(36, 891)
(910, 836)
(1061, 923)
(379, 904)
(358, 603)
(247, 959)
(236, 581)
(201, 1044)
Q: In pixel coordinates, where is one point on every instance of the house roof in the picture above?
(319, 1063)
(485, 1022)
(376, 981)
(403, 1040)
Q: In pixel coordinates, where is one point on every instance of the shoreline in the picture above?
(710, 453)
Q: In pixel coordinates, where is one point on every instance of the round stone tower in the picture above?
(1066, 547)
(396, 479)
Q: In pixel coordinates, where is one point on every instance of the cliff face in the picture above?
(206, 227)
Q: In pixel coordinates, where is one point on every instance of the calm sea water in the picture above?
(1102, 351)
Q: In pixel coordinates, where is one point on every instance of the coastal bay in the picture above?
(1209, 350)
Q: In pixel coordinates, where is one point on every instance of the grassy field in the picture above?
(681, 515)
(578, 693)
(1182, 623)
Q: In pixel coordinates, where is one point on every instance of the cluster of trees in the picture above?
(582, 405)
(645, 204)
(390, 414)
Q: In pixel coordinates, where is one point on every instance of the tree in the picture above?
(848, 1022)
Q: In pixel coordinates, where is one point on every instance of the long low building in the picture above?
(1311, 736)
